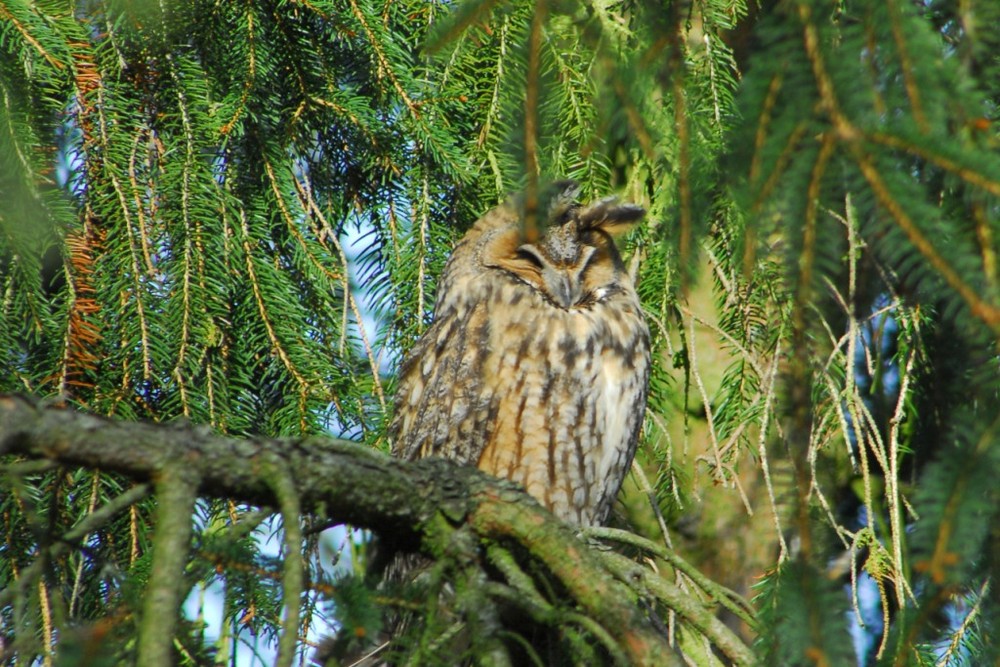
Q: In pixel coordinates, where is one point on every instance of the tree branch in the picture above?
(421, 503)
(165, 589)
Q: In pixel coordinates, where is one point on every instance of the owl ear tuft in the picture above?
(610, 216)
(558, 199)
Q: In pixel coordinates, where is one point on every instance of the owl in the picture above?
(536, 366)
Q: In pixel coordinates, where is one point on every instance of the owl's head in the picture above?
(574, 261)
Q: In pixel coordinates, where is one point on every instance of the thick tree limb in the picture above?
(422, 503)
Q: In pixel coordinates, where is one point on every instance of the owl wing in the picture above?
(443, 406)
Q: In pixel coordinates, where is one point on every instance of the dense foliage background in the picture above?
(235, 213)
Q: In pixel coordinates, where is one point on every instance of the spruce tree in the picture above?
(221, 224)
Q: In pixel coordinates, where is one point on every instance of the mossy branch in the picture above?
(342, 481)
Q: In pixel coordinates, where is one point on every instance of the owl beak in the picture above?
(563, 287)
(566, 291)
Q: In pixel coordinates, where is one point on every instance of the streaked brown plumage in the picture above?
(536, 365)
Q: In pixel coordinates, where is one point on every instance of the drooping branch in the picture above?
(422, 503)
(164, 592)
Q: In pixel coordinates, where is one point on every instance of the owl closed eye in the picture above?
(536, 365)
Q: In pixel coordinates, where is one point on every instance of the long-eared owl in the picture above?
(536, 365)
